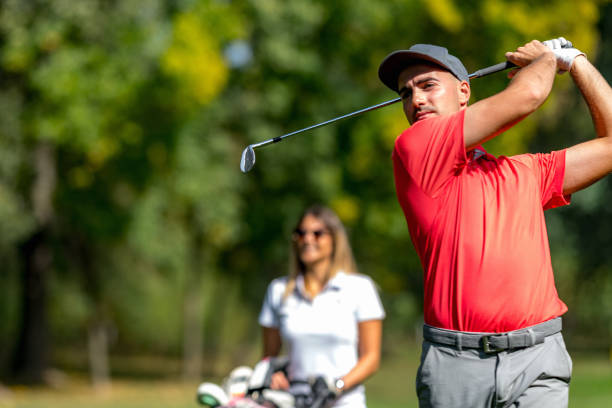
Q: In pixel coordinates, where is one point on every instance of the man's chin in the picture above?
(424, 116)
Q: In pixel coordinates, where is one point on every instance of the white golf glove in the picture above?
(564, 51)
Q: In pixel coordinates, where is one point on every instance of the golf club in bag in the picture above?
(247, 160)
(250, 388)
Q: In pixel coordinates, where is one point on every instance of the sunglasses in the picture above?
(299, 233)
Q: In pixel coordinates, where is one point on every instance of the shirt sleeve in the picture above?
(432, 151)
(552, 192)
(550, 171)
(269, 315)
(369, 306)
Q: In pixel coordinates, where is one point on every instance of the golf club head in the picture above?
(248, 159)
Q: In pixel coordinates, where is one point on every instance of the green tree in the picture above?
(90, 109)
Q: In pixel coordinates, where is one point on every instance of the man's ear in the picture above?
(464, 91)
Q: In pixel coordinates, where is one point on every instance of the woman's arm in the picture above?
(271, 348)
(370, 337)
(271, 341)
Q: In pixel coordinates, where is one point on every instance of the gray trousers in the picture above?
(536, 376)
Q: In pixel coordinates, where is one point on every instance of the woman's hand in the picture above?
(279, 381)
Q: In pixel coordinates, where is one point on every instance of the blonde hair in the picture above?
(342, 255)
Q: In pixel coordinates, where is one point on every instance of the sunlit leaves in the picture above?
(446, 14)
(194, 58)
(347, 208)
(574, 20)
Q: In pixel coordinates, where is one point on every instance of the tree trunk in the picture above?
(98, 355)
(30, 358)
(193, 314)
(87, 261)
(193, 331)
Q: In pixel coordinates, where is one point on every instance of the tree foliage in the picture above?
(143, 109)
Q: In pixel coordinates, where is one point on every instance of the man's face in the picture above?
(428, 91)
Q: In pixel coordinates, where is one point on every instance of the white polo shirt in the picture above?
(321, 334)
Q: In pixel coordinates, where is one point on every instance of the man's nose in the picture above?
(418, 98)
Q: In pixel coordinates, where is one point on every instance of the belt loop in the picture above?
(459, 342)
(509, 338)
(533, 336)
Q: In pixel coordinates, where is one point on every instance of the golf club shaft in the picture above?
(327, 122)
(480, 73)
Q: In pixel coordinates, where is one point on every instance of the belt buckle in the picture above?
(487, 347)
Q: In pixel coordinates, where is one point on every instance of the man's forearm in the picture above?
(597, 94)
(538, 77)
(529, 88)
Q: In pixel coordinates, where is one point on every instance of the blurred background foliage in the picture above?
(126, 227)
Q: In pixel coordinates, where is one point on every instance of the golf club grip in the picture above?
(504, 65)
(492, 69)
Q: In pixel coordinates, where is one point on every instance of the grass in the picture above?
(123, 394)
(391, 387)
(394, 384)
(591, 384)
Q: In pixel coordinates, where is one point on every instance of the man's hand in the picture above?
(526, 54)
(564, 53)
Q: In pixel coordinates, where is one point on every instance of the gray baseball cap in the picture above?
(393, 65)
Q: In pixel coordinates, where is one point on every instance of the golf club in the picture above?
(247, 160)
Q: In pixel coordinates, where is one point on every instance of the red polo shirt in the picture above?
(478, 227)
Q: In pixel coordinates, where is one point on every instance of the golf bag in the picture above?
(250, 388)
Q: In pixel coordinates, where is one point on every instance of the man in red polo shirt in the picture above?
(492, 314)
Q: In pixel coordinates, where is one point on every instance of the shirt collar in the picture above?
(334, 283)
(337, 281)
(477, 153)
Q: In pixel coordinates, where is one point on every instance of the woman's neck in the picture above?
(315, 277)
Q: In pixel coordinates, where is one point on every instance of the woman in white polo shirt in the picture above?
(328, 316)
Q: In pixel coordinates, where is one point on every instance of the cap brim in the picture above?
(393, 65)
